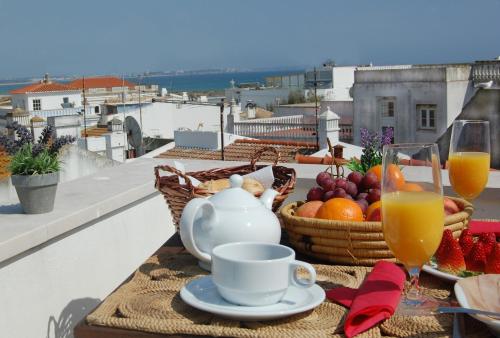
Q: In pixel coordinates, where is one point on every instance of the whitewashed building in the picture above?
(47, 98)
(418, 101)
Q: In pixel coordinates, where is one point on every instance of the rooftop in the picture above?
(102, 228)
(101, 82)
(241, 149)
(44, 87)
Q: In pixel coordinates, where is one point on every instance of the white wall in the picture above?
(49, 289)
(343, 79)
(53, 100)
(203, 139)
(162, 118)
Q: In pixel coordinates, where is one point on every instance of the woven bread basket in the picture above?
(178, 195)
(356, 243)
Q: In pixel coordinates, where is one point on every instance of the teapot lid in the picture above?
(235, 197)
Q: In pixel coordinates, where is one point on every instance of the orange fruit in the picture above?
(395, 177)
(308, 209)
(340, 209)
(408, 186)
(373, 213)
(377, 170)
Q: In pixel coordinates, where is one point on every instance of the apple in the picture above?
(450, 207)
(308, 209)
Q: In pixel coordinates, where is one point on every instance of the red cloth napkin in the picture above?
(375, 301)
(477, 227)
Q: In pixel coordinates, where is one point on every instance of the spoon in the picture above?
(468, 311)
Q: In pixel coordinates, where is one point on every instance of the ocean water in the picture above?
(201, 82)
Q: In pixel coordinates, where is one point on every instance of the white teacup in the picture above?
(256, 274)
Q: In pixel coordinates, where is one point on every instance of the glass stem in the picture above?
(414, 292)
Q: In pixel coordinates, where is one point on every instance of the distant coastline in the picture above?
(198, 81)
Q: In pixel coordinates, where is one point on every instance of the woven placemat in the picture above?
(150, 302)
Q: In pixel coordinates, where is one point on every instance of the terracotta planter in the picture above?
(36, 192)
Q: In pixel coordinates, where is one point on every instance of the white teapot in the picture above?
(231, 215)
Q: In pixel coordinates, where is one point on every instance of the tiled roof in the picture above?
(44, 88)
(241, 150)
(95, 131)
(101, 82)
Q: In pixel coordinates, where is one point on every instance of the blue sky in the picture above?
(109, 36)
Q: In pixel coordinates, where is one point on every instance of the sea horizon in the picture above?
(202, 82)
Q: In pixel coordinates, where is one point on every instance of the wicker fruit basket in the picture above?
(356, 243)
(178, 195)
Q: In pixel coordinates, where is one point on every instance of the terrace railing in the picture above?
(346, 133)
(292, 128)
(485, 71)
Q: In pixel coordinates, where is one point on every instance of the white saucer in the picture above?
(203, 295)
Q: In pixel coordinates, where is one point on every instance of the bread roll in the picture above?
(249, 184)
(214, 186)
(252, 186)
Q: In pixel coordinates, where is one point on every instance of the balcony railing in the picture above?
(293, 128)
(61, 112)
(485, 71)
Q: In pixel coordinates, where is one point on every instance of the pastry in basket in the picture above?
(249, 184)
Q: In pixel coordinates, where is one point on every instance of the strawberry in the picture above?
(476, 259)
(466, 242)
(449, 255)
(493, 262)
(489, 240)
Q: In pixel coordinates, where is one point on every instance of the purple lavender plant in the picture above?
(26, 153)
(372, 143)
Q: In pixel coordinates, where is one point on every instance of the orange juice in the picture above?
(413, 225)
(469, 173)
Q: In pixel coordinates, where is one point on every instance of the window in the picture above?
(426, 114)
(66, 100)
(387, 106)
(96, 109)
(37, 104)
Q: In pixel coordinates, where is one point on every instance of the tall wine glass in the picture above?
(469, 157)
(413, 216)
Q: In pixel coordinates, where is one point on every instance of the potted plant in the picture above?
(34, 166)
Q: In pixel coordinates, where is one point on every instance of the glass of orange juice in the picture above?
(469, 157)
(413, 219)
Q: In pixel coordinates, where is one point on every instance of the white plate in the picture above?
(462, 300)
(203, 295)
(432, 269)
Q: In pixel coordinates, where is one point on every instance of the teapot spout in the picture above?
(267, 198)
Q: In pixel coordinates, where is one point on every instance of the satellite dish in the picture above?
(134, 135)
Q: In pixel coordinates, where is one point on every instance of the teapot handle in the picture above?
(187, 226)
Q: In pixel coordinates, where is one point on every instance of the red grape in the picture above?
(363, 204)
(349, 197)
(339, 192)
(369, 180)
(362, 196)
(322, 176)
(328, 184)
(373, 196)
(341, 183)
(327, 195)
(315, 194)
(355, 177)
(351, 189)
(377, 186)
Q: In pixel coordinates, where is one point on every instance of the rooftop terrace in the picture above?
(58, 266)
